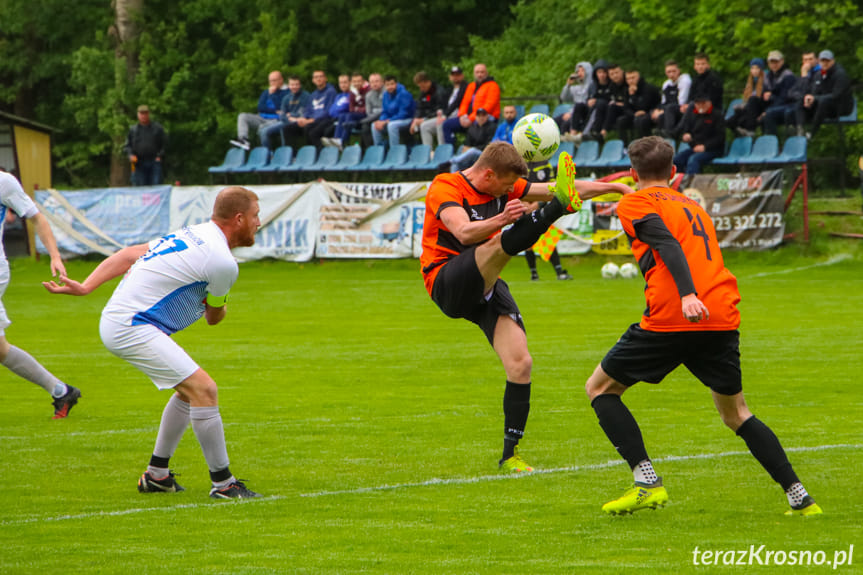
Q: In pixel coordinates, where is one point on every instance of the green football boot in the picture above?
(564, 188)
(807, 507)
(515, 464)
(639, 496)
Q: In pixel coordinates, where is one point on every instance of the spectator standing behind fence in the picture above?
(778, 84)
(454, 98)
(269, 105)
(577, 91)
(356, 112)
(675, 95)
(398, 112)
(479, 135)
(706, 81)
(704, 130)
(290, 111)
(145, 146)
(374, 107)
(744, 118)
(641, 98)
(432, 100)
(597, 102)
(829, 95)
(484, 93)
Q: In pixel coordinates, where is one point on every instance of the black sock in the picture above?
(530, 257)
(765, 446)
(528, 228)
(221, 475)
(555, 261)
(620, 427)
(160, 462)
(516, 406)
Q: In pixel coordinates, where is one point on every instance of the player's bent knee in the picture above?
(519, 368)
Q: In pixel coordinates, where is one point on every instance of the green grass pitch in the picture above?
(372, 424)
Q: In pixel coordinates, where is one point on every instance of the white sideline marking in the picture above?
(832, 261)
(428, 483)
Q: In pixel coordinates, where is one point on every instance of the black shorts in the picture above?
(458, 292)
(712, 356)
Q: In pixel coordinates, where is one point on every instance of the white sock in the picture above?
(207, 424)
(175, 420)
(644, 473)
(157, 472)
(225, 483)
(24, 365)
(795, 494)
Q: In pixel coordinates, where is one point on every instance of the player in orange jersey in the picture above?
(464, 253)
(691, 319)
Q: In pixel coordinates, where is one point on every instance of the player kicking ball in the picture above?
(464, 252)
(691, 319)
(172, 282)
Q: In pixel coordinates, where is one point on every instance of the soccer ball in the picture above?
(628, 271)
(536, 137)
(610, 271)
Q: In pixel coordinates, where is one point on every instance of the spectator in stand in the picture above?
(430, 104)
(315, 120)
(706, 81)
(617, 102)
(599, 97)
(454, 98)
(829, 96)
(503, 133)
(145, 146)
(744, 120)
(341, 105)
(575, 91)
(704, 130)
(484, 93)
(675, 95)
(290, 111)
(809, 70)
(479, 135)
(641, 98)
(778, 84)
(356, 112)
(398, 112)
(374, 107)
(268, 110)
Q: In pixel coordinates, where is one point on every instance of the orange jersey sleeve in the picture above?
(693, 229)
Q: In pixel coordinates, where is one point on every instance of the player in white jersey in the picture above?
(18, 361)
(172, 282)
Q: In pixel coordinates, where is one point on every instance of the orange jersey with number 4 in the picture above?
(690, 225)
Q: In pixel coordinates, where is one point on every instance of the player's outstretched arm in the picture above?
(588, 190)
(468, 233)
(115, 265)
(43, 230)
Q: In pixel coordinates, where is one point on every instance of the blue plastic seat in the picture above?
(851, 117)
(372, 159)
(730, 110)
(561, 109)
(764, 150)
(235, 158)
(350, 159)
(587, 153)
(793, 152)
(258, 158)
(442, 154)
(281, 157)
(420, 156)
(305, 158)
(328, 158)
(519, 111)
(740, 148)
(612, 152)
(396, 157)
(568, 147)
(539, 109)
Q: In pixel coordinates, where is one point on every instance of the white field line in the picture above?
(832, 261)
(428, 483)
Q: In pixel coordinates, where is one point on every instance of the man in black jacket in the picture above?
(430, 104)
(641, 98)
(829, 95)
(431, 129)
(706, 81)
(704, 131)
(145, 147)
(479, 135)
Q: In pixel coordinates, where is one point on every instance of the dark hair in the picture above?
(651, 158)
(808, 52)
(613, 66)
(701, 56)
(503, 159)
(390, 78)
(294, 77)
(672, 63)
(421, 77)
(231, 201)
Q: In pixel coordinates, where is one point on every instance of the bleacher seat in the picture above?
(442, 154)
(396, 156)
(740, 148)
(372, 159)
(612, 152)
(350, 159)
(519, 111)
(305, 158)
(561, 109)
(258, 158)
(764, 150)
(539, 109)
(568, 147)
(730, 110)
(281, 157)
(851, 117)
(328, 158)
(420, 156)
(235, 158)
(793, 152)
(586, 153)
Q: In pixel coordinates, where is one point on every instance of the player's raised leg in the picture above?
(622, 430)
(765, 447)
(510, 344)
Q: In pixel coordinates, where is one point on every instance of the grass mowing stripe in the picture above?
(832, 261)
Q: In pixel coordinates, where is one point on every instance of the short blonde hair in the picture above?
(233, 200)
(503, 159)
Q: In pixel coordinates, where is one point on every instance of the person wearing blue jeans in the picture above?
(145, 148)
(704, 131)
(398, 112)
(479, 134)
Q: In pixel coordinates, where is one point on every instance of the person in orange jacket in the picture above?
(484, 93)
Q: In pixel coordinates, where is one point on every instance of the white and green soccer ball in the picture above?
(536, 137)
(610, 270)
(628, 271)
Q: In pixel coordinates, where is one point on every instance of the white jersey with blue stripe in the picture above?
(12, 195)
(167, 286)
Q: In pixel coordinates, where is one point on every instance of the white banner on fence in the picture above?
(289, 214)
